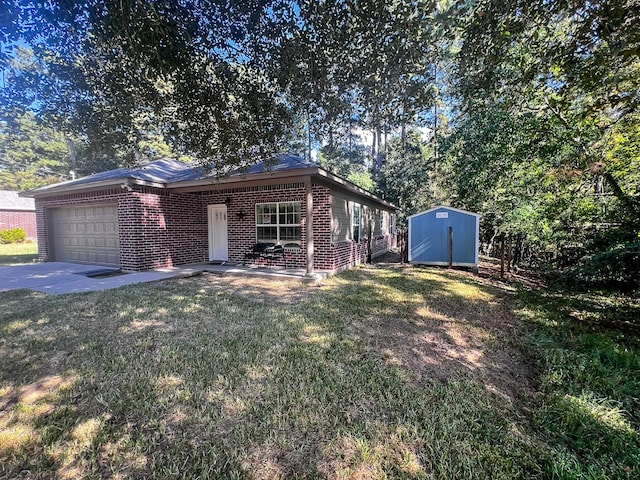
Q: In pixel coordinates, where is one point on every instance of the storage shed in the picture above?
(444, 236)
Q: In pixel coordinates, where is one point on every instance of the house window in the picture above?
(355, 223)
(278, 223)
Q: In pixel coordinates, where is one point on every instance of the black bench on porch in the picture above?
(269, 251)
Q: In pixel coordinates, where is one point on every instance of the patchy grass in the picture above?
(378, 373)
(16, 253)
(589, 404)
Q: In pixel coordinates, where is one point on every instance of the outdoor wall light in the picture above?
(241, 214)
(227, 201)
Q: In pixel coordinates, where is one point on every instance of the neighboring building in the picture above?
(169, 213)
(17, 212)
(444, 236)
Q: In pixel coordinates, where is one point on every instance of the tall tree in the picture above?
(31, 155)
(575, 61)
(99, 66)
(408, 173)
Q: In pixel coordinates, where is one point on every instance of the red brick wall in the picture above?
(158, 228)
(242, 231)
(322, 252)
(25, 219)
(348, 253)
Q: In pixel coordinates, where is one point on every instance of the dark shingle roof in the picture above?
(283, 163)
(168, 170)
(11, 201)
(172, 173)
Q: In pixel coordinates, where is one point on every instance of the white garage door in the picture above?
(87, 234)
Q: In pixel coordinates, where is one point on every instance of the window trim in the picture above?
(353, 222)
(279, 225)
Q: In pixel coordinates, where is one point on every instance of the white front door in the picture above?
(218, 246)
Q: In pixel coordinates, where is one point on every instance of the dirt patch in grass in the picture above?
(260, 290)
(446, 324)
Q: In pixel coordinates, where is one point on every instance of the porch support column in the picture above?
(309, 195)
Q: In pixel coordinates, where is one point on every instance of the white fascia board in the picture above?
(62, 189)
(477, 215)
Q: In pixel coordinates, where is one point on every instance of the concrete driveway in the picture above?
(61, 277)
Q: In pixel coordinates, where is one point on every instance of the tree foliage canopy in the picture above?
(525, 111)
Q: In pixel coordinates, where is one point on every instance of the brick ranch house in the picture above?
(17, 212)
(169, 213)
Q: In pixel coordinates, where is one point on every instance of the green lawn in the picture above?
(378, 373)
(16, 253)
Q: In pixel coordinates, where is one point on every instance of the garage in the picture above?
(86, 234)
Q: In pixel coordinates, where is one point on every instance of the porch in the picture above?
(240, 270)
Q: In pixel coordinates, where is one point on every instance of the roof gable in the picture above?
(443, 207)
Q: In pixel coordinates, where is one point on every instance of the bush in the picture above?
(618, 268)
(13, 235)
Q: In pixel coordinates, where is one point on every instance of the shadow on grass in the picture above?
(17, 259)
(377, 373)
(18, 253)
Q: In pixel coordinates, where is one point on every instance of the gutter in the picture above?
(317, 172)
(125, 182)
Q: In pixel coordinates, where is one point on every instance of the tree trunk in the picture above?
(369, 232)
(350, 137)
(502, 256)
(308, 134)
(373, 154)
(385, 142)
(72, 157)
(435, 135)
(379, 152)
(630, 205)
(403, 124)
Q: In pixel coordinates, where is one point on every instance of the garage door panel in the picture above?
(87, 234)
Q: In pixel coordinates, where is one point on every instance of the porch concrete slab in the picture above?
(240, 270)
(87, 284)
(62, 277)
